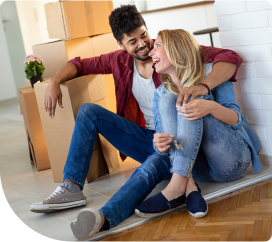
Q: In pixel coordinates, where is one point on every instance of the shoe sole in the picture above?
(151, 215)
(86, 223)
(50, 208)
(199, 214)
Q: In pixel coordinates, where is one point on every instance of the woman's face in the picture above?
(160, 58)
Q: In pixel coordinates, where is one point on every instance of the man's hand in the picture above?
(196, 109)
(162, 141)
(193, 92)
(53, 95)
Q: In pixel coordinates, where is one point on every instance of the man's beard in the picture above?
(135, 56)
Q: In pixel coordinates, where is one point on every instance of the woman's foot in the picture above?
(158, 205)
(195, 203)
(171, 197)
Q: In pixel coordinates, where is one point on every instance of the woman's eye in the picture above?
(158, 45)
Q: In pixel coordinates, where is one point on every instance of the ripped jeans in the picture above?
(211, 150)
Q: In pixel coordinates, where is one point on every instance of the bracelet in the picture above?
(205, 85)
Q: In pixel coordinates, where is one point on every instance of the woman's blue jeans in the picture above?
(212, 150)
(129, 138)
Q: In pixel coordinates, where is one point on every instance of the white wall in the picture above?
(246, 27)
(190, 18)
(7, 86)
(33, 24)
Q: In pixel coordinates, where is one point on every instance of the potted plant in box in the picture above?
(34, 69)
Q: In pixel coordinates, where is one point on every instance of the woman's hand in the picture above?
(196, 109)
(162, 141)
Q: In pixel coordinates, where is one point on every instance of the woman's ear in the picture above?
(120, 45)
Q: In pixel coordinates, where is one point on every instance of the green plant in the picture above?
(34, 66)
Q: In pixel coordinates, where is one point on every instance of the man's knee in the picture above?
(89, 109)
(156, 163)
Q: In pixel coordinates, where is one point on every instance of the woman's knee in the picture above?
(166, 101)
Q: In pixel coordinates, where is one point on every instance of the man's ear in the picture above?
(120, 45)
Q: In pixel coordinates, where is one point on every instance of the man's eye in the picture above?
(134, 42)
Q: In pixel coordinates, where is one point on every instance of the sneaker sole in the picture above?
(199, 214)
(50, 208)
(86, 223)
(151, 215)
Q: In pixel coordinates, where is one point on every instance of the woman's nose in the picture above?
(151, 53)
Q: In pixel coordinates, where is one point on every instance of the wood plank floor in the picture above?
(243, 215)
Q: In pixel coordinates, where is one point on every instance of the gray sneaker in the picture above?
(60, 199)
(88, 223)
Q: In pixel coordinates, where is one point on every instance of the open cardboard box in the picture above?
(74, 19)
(58, 131)
(56, 54)
(35, 137)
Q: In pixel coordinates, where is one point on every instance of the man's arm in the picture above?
(75, 67)
(53, 92)
(225, 67)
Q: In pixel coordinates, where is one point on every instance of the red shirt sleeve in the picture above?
(95, 65)
(214, 55)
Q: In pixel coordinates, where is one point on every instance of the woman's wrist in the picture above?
(213, 107)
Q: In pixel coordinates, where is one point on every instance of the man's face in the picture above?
(138, 44)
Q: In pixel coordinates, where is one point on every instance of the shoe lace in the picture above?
(58, 191)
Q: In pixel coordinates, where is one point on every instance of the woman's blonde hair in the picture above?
(184, 53)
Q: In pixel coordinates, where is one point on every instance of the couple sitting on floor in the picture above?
(205, 138)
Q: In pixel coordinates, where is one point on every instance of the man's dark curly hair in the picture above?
(125, 20)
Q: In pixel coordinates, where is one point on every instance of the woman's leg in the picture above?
(188, 135)
(226, 153)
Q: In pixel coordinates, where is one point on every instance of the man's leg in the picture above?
(128, 137)
(123, 203)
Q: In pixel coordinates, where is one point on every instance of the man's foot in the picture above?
(88, 223)
(158, 205)
(68, 195)
(196, 204)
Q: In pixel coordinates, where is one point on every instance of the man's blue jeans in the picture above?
(212, 150)
(129, 138)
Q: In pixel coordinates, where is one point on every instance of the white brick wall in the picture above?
(246, 27)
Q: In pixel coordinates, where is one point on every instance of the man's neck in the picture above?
(143, 64)
(144, 68)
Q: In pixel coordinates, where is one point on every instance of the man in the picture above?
(131, 130)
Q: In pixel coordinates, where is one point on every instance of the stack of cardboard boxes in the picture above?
(84, 31)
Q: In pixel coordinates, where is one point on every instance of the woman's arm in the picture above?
(223, 114)
(199, 108)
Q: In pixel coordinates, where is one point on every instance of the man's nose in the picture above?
(141, 43)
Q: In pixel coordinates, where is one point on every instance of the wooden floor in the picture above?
(244, 215)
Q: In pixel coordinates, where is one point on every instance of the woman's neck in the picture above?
(175, 80)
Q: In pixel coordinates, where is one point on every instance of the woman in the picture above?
(210, 138)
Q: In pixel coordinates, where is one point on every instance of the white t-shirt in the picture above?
(143, 90)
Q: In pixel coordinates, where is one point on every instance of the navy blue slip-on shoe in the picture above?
(158, 205)
(196, 204)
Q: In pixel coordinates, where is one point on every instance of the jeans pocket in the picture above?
(236, 171)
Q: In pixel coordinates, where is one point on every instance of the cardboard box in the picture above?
(57, 54)
(58, 131)
(74, 19)
(36, 141)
